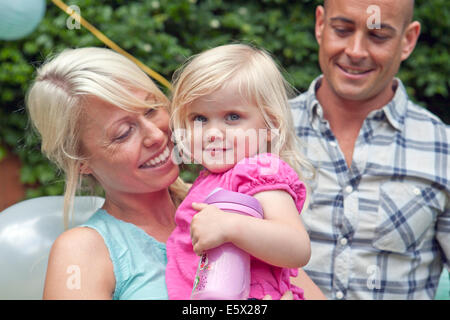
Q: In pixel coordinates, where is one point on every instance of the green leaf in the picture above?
(3, 153)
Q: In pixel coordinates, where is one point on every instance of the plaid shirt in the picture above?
(381, 229)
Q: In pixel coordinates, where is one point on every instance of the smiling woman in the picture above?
(88, 86)
(100, 116)
(123, 148)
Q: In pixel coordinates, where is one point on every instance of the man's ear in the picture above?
(320, 23)
(409, 40)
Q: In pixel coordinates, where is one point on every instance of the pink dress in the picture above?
(263, 172)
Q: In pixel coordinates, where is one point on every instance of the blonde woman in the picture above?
(229, 108)
(100, 117)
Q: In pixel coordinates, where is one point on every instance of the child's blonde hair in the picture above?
(257, 77)
(56, 99)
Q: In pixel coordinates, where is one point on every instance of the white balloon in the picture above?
(27, 232)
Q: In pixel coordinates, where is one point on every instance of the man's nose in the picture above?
(357, 47)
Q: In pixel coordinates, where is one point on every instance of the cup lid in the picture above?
(222, 195)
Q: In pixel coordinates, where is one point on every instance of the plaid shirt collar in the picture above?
(394, 111)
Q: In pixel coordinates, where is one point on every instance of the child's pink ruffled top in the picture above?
(263, 172)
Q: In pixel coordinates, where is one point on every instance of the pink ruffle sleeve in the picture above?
(266, 172)
(260, 173)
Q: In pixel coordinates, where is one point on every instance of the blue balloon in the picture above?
(443, 290)
(18, 18)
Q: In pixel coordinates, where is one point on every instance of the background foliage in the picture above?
(163, 33)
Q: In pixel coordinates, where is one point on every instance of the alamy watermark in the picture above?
(74, 19)
(74, 279)
(374, 279)
(374, 20)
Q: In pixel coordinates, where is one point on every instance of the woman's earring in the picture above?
(84, 169)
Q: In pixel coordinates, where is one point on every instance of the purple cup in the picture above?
(223, 273)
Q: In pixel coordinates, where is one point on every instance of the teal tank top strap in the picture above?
(139, 260)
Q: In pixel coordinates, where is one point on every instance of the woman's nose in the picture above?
(152, 134)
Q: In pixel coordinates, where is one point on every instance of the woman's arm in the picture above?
(279, 239)
(79, 267)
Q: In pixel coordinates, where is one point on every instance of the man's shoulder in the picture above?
(420, 113)
(299, 110)
(421, 122)
(308, 97)
(300, 101)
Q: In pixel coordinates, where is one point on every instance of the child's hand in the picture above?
(208, 227)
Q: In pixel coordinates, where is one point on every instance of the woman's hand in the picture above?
(209, 227)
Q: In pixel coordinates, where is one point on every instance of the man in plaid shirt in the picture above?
(379, 215)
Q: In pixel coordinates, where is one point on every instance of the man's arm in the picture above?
(311, 290)
(443, 234)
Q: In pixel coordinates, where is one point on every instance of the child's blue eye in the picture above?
(200, 118)
(232, 117)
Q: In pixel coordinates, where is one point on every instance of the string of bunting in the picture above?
(103, 38)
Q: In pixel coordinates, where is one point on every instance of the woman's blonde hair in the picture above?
(56, 98)
(258, 79)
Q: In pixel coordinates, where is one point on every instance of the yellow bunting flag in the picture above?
(97, 33)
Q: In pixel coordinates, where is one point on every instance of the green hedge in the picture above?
(163, 33)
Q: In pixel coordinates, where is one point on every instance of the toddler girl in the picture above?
(230, 108)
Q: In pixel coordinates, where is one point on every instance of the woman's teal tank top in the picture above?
(139, 260)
